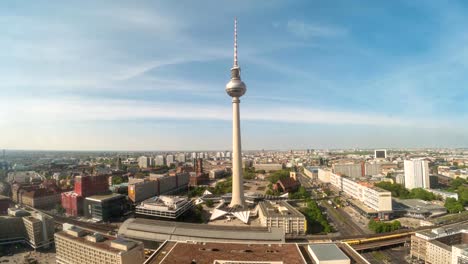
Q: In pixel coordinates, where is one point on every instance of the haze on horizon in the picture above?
(111, 75)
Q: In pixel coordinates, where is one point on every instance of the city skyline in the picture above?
(95, 76)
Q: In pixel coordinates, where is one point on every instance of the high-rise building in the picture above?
(380, 154)
(159, 160)
(143, 162)
(417, 173)
(169, 160)
(181, 157)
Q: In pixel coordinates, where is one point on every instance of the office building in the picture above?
(169, 207)
(105, 207)
(42, 198)
(76, 246)
(281, 214)
(380, 154)
(85, 186)
(417, 174)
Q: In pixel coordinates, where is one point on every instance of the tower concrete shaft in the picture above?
(237, 178)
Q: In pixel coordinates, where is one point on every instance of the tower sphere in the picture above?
(235, 87)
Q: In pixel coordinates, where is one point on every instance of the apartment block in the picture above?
(76, 246)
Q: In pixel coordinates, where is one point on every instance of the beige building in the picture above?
(283, 215)
(74, 245)
(40, 230)
(440, 245)
(37, 230)
(324, 175)
(372, 197)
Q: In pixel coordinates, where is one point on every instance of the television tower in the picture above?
(236, 88)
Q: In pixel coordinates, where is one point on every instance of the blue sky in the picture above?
(150, 75)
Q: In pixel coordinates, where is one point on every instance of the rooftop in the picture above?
(111, 244)
(210, 252)
(156, 230)
(104, 197)
(279, 209)
(327, 252)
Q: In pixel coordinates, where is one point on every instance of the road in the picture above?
(345, 226)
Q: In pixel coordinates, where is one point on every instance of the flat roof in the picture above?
(105, 244)
(158, 230)
(327, 251)
(209, 252)
(100, 198)
(279, 209)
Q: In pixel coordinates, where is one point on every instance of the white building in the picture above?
(373, 197)
(169, 160)
(327, 253)
(181, 157)
(417, 174)
(164, 206)
(283, 215)
(324, 175)
(159, 160)
(143, 162)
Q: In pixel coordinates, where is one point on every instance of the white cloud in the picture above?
(17, 110)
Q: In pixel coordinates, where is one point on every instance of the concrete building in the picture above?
(168, 207)
(180, 157)
(159, 160)
(216, 174)
(229, 253)
(380, 154)
(460, 254)
(156, 230)
(76, 246)
(170, 160)
(435, 246)
(157, 185)
(281, 214)
(105, 207)
(372, 169)
(416, 208)
(37, 230)
(324, 175)
(416, 174)
(327, 253)
(311, 172)
(379, 201)
(353, 170)
(41, 198)
(143, 162)
(268, 167)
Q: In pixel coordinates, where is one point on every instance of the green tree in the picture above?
(453, 206)
(277, 175)
(209, 203)
(116, 180)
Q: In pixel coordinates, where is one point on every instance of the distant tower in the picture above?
(236, 88)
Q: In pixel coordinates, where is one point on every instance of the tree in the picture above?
(60, 210)
(382, 227)
(209, 203)
(116, 180)
(277, 175)
(453, 206)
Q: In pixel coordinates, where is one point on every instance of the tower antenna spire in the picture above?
(235, 43)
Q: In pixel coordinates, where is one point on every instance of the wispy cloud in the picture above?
(305, 29)
(76, 109)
